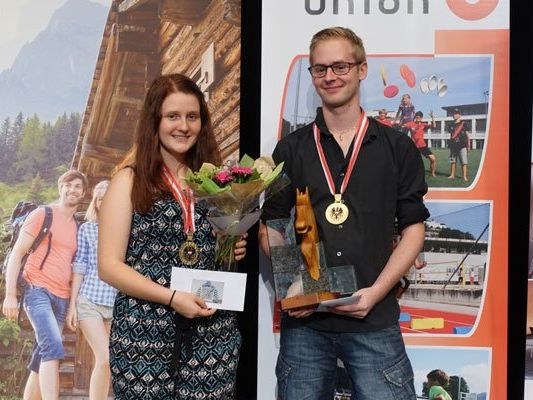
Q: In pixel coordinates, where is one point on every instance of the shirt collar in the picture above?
(321, 123)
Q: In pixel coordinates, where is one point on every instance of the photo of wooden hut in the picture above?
(143, 39)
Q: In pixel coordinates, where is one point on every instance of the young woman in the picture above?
(165, 344)
(91, 300)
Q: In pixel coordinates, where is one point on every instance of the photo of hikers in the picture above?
(441, 103)
(68, 114)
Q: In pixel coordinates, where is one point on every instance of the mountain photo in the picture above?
(51, 75)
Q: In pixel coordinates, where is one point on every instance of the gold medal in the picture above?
(337, 212)
(189, 251)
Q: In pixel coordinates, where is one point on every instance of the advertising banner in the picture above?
(443, 58)
(73, 78)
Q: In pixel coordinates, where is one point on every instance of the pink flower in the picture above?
(241, 171)
(223, 177)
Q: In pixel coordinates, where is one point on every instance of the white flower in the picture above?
(264, 165)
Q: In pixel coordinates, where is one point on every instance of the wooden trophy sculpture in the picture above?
(305, 225)
(314, 286)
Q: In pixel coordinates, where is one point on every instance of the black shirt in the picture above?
(386, 183)
(461, 139)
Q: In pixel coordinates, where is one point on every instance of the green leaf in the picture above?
(207, 169)
(246, 161)
(274, 174)
(209, 186)
(255, 176)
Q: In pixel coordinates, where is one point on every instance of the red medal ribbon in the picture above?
(457, 130)
(360, 134)
(186, 202)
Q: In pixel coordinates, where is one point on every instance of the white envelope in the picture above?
(220, 290)
(337, 302)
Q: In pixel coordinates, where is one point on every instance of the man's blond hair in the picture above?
(338, 32)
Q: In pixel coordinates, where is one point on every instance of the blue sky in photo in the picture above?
(467, 78)
(467, 217)
(471, 364)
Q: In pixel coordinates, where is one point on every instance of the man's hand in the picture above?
(360, 309)
(10, 307)
(302, 312)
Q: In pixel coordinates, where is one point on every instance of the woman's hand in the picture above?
(240, 247)
(72, 317)
(190, 306)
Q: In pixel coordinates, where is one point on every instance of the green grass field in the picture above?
(443, 169)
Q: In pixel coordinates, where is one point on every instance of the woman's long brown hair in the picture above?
(145, 155)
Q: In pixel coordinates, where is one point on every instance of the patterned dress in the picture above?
(143, 333)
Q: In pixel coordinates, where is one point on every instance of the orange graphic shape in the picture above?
(472, 11)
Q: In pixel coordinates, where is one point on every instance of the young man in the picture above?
(47, 296)
(459, 145)
(387, 182)
(418, 128)
(437, 380)
(382, 117)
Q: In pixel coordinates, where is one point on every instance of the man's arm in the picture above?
(398, 264)
(21, 247)
(433, 124)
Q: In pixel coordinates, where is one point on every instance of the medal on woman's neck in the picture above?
(189, 251)
(337, 212)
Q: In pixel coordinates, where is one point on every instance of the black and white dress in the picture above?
(143, 333)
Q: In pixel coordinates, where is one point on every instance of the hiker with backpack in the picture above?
(91, 300)
(47, 271)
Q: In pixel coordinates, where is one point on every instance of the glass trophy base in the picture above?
(295, 287)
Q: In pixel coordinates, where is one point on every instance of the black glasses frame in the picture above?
(342, 64)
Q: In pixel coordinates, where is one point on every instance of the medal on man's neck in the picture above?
(337, 212)
(189, 252)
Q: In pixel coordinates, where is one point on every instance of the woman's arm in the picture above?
(79, 268)
(114, 232)
(72, 315)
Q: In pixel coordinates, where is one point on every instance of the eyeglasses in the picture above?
(340, 68)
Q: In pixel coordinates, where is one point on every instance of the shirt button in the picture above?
(342, 173)
(340, 226)
(339, 254)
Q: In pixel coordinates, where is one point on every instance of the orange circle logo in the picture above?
(472, 11)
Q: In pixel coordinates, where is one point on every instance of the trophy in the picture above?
(302, 277)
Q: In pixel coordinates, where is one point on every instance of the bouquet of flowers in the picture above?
(233, 193)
